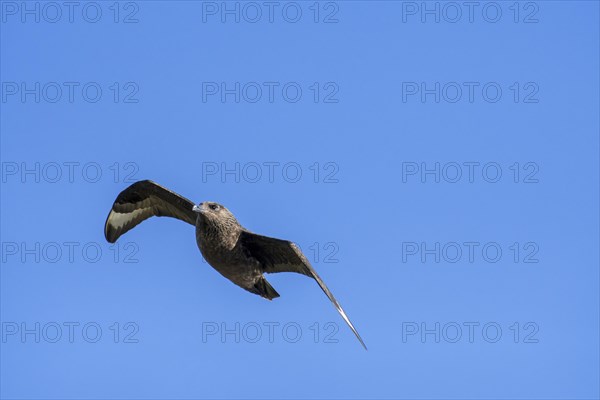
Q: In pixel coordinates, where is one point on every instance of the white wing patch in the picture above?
(118, 220)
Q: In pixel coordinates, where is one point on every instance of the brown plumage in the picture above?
(236, 253)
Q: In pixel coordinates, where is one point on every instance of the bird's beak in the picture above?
(197, 209)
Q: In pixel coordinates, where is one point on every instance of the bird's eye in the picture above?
(214, 207)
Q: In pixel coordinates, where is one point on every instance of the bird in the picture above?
(238, 254)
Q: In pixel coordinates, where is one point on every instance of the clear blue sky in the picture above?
(438, 166)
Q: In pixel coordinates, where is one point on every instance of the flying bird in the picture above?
(236, 253)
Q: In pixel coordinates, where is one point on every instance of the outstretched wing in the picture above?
(276, 255)
(141, 201)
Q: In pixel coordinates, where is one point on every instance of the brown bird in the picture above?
(236, 253)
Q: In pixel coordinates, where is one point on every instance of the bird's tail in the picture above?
(264, 289)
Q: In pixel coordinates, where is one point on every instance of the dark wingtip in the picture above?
(109, 232)
(110, 240)
(363, 344)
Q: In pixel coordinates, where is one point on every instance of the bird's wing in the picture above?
(276, 255)
(141, 201)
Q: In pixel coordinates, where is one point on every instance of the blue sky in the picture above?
(437, 163)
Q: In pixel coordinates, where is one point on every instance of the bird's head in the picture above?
(215, 214)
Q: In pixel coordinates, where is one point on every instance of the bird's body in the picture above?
(221, 248)
(228, 262)
(236, 253)
(218, 247)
